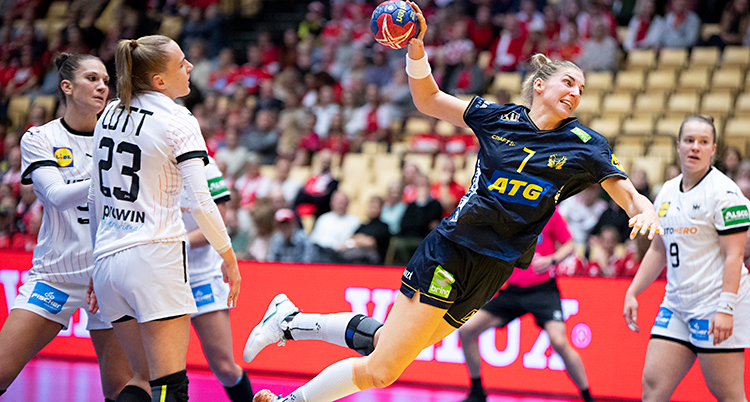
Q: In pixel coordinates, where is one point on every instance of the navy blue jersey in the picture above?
(521, 174)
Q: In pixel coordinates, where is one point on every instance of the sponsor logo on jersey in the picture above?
(408, 274)
(512, 116)
(64, 156)
(518, 189)
(680, 231)
(699, 329)
(442, 282)
(112, 215)
(616, 163)
(203, 295)
(48, 298)
(503, 139)
(217, 186)
(584, 136)
(481, 104)
(556, 162)
(736, 215)
(663, 209)
(663, 318)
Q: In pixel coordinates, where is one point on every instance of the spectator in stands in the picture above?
(552, 26)
(319, 188)
(336, 140)
(582, 212)
(507, 50)
(639, 26)
(369, 243)
(266, 98)
(12, 176)
(333, 228)
(290, 242)
(201, 65)
(26, 75)
(393, 207)
(314, 22)
(324, 110)
(253, 72)
(613, 216)
(480, 28)
(571, 15)
(536, 42)
(232, 153)
(264, 138)
(679, 29)
(397, 95)
(250, 182)
(457, 45)
(281, 181)
(640, 182)
(374, 119)
(356, 71)
(409, 174)
(597, 10)
(309, 142)
(600, 52)
(263, 217)
(467, 77)
(743, 178)
(224, 77)
(570, 45)
(421, 216)
(446, 190)
(379, 72)
(529, 16)
(729, 162)
(735, 21)
(291, 121)
(607, 256)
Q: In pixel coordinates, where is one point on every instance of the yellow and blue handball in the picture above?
(394, 23)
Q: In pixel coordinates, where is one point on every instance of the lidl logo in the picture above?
(663, 209)
(736, 215)
(442, 282)
(616, 163)
(699, 329)
(584, 136)
(663, 318)
(64, 156)
(48, 298)
(518, 189)
(203, 295)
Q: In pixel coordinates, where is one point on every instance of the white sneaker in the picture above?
(271, 328)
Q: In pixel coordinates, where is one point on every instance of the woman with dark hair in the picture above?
(147, 149)
(56, 161)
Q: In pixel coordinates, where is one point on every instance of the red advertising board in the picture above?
(517, 357)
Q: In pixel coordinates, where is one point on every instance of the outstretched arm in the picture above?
(428, 98)
(642, 214)
(651, 266)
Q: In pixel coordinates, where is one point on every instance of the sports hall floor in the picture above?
(46, 380)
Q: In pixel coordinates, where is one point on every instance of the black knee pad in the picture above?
(170, 388)
(360, 334)
(131, 393)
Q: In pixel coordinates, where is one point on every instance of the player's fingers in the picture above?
(635, 230)
(711, 328)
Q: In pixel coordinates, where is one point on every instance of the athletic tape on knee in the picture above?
(174, 385)
(360, 334)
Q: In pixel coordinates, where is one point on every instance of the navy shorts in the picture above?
(542, 301)
(453, 277)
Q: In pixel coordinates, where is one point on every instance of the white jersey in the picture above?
(693, 222)
(204, 261)
(63, 250)
(137, 185)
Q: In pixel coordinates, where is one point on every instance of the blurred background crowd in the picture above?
(312, 123)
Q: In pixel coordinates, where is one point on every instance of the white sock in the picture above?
(330, 328)
(333, 383)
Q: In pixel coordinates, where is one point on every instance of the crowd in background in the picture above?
(310, 95)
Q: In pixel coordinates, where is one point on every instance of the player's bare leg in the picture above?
(724, 375)
(23, 335)
(667, 362)
(573, 365)
(214, 331)
(114, 369)
(166, 343)
(129, 335)
(469, 334)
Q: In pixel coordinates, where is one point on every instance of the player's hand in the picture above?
(422, 23)
(230, 272)
(541, 264)
(91, 297)
(646, 222)
(721, 327)
(630, 312)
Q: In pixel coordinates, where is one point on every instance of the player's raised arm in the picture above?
(427, 97)
(642, 214)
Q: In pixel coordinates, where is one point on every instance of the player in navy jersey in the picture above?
(57, 162)
(529, 160)
(147, 149)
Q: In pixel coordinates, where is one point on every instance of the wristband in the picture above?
(418, 69)
(553, 261)
(727, 302)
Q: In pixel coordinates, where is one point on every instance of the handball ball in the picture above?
(393, 23)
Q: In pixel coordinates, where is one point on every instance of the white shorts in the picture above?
(57, 302)
(147, 282)
(692, 328)
(210, 295)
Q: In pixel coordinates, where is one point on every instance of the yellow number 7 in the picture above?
(526, 159)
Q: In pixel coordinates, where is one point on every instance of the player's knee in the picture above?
(559, 343)
(360, 334)
(468, 334)
(227, 371)
(384, 377)
(170, 388)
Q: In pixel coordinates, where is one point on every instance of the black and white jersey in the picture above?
(136, 183)
(63, 250)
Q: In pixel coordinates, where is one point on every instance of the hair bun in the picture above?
(133, 43)
(61, 58)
